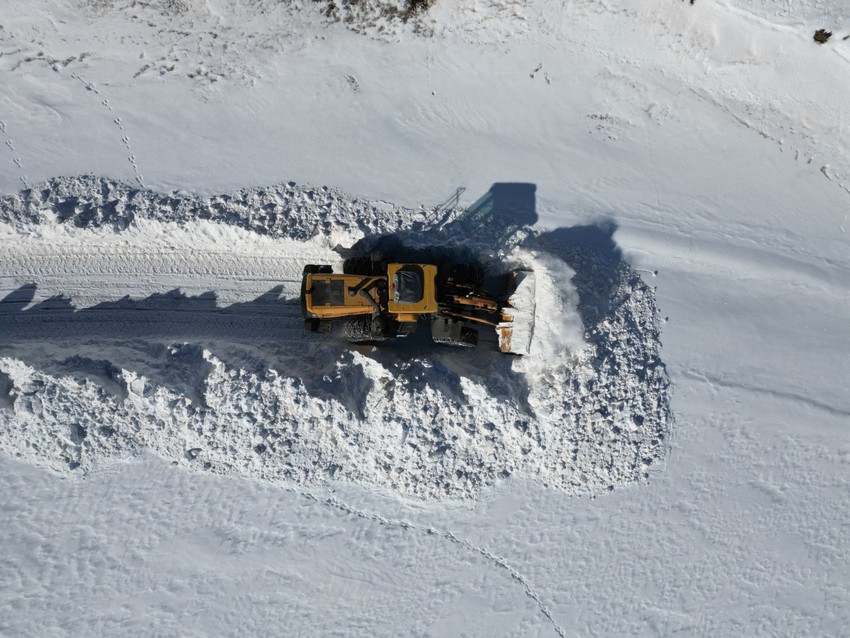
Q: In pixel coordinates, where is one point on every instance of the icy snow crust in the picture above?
(96, 373)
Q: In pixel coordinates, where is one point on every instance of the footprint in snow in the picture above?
(353, 83)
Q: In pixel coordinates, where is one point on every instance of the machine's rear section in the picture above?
(377, 300)
(368, 305)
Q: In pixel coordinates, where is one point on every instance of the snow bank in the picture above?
(242, 389)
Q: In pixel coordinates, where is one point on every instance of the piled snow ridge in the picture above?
(587, 411)
(283, 210)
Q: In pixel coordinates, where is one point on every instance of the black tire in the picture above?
(311, 269)
(405, 328)
(466, 275)
(452, 332)
(371, 266)
(359, 330)
(468, 337)
(318, 325)
(467, 340)
(357, 266)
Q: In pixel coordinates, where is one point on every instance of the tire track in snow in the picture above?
(159, 285)
(97, 269)
(498, 561)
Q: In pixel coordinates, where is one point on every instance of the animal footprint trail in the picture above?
(451, 537)
(353, 83)
(16, 160)
(546, 77)
(89, 86)
(125, 139)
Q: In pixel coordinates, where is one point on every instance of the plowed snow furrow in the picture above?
(126, 324)
(89, 273)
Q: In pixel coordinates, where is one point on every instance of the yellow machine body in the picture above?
(331, 296)
(393, 297)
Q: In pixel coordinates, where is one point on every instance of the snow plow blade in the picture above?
(516, 327)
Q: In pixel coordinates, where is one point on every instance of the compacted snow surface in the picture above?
(179, 457)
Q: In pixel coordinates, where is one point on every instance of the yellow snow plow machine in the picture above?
(378, 300)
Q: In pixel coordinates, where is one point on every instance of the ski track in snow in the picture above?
(134, 320)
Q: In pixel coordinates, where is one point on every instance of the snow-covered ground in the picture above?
(685, 186)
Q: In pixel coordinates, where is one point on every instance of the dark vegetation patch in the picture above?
(822, 35)
(375, 16)
(403, 11)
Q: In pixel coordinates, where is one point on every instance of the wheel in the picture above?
(466, 275)
(312, 269)
(404, 328)
(468, 337)
(451, 332)
(318, 325)
(466, 340)
(357, 266)
(370, 266)
(359, 330)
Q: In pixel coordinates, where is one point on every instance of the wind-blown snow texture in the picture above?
(244, 390)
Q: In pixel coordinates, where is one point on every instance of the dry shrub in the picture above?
(822, 35)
